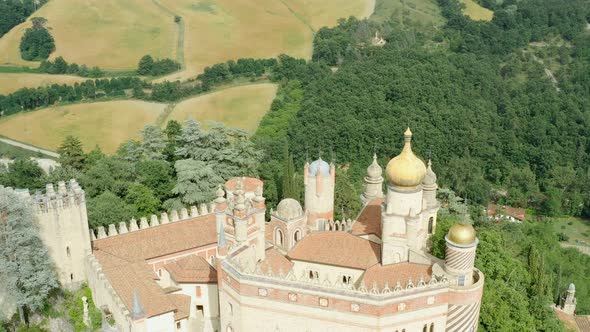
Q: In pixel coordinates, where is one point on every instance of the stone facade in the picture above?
(222, 267)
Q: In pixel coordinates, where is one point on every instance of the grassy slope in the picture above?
(477, 12)
(578, 230)
(239, 107)
(10, 82)
(425, 12)
(111, 34)
(219, 30)
(104, 123)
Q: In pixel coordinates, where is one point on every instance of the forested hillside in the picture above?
(14, 12)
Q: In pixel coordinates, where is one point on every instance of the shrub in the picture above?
(563, 237)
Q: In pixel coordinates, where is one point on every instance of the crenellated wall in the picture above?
(123, 227)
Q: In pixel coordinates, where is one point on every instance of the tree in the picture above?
(157, 176)
(23, 173)
(37, 43)
(107, 208)
(196, 182)
(153, 144)
(288, 175)
(25, 266)
(71, 153)
(143, 199)
(347, 202)
(172, 131)
(145, 65)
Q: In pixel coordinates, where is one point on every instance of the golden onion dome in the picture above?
(462, 234)
(406, 170)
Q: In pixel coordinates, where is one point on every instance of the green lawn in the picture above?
(578, 232)
(425, 13)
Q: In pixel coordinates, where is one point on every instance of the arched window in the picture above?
(297, 236)
(432, 327)
(425, 329)
(71, 277)
(279, 238)
(68, 251)
(229, 329)
(160, 273)
(430, 225)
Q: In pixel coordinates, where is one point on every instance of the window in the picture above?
(198, 291)
(178, 325)
(160, 273)
(200, 311)
(71, 277)
(346, 280)
(432, 327)
(430, 225)
(461, 280)
(425, 329)
(297, 236)
(314, 274)
(68, 251)
(231, 308)
(279, 238)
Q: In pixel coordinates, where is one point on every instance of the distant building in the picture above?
(512, 214)
(565, 311)
(222, 267)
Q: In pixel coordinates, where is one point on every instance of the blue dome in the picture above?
(319, 167)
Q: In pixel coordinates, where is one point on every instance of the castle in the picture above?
(224, 267)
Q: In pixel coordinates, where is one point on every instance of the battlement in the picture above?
(133, 226)
(241, 270)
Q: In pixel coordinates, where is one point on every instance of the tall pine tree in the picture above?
(289, 188)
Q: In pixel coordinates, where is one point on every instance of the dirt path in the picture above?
(29, 147)
(181, 30)
(583, 249)
(370, 8)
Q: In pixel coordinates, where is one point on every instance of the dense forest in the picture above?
(15, 12)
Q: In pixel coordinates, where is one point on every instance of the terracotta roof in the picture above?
(123, 259)
(583, 323)
(393, 273)
(336, 248)
(517, 213)
(275, 261)
(568, 320)
(192, 269)
(249, 184)
(369, 221)
(183, 303)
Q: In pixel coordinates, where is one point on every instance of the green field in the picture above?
(578, 232)
(416, 12)
(106, 124)
(239, 107)
(477, 12)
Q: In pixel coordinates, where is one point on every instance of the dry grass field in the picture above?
(105, 123)
(111, 34)
(219, 30)
(10, 82)
(477, 12)
(239, 107)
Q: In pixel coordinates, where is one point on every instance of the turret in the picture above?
(461, 241)
(431, 205)
(568, 301)
(319, 180)
(373, 181)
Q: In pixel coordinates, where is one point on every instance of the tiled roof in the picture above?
(183, 303)
(275, 261)
(369, 221)
(336, 248)
(568, 320)
(192, 269)
(393, 273)
(123, 259)
(583, 323)
(517, 213)
(249, 184)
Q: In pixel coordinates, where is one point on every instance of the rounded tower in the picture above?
(402, 212)
(319, 180)
(373, 181)
(460, 253)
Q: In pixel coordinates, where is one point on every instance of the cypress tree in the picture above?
(289, 189)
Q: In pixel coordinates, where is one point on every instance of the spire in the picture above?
(221, 242)
(219, 193)
(138, 311)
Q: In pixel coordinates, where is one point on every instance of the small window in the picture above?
(432, 327)
(430, 225)
(231, 308)
(461, 280)
(68, 251)
(160, 273)
(346, 280)
(71, 277)
(198, 291)
(425, 329)
(178, 325)
(200, 311)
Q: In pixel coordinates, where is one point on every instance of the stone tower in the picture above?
(460, 254)
(568, 301)
(63, 224)
(289, 223)
(373, 181)
(431, 204)
(241, 216)
(402, 217)
(319, 180)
